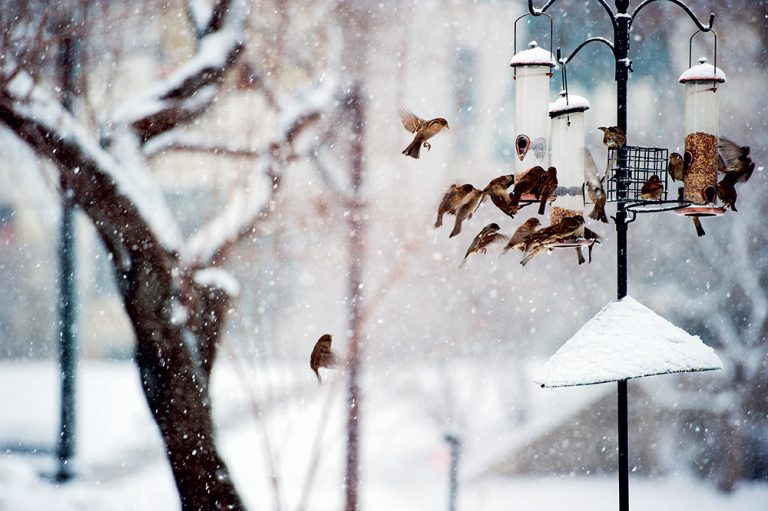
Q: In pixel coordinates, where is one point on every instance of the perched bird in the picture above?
(652, 189)
(451, 201)
(323, 356)
(518, 239)
(613, 136)
(676, 167)
(735, 158)
(465, 209)
(595, 187)
(528, 183)
(424, 130)
(488, 235)
(547, 187)
(497, 191)
(538, 242)
(726, 190)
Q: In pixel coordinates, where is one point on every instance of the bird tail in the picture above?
(581, 255)
(456, 227)
(598, 213)
(699, 229)
(413, 148)
(543, 204)
(319, 380)
(439, 221)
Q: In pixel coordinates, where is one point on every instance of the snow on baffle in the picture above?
(626, 340)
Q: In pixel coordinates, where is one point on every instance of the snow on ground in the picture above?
(405, 412)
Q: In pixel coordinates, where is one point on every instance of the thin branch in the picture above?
(180, 142)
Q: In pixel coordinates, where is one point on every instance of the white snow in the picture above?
(218, 278)
(533, 56)
(703, 71)
(568, 103)
(626, 340)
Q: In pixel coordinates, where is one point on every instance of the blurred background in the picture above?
(443, 350)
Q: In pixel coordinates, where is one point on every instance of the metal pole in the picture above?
(621, 38)
(69, 53)
(453, 488)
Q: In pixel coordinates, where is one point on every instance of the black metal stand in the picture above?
(453, 489)
(622, 25)
(69, 52)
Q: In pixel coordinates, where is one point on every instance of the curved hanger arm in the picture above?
(702, 27)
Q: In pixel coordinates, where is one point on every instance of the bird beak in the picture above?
(446, 126)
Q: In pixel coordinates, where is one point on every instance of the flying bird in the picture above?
(652, 189)
(595, 187)
(726, 190)
(465, 209)
(323, 356)
(424, 130)
(497, 191)
(547, 187)
(518, 239)
(613, 136)
(734, 158)
(676, 167)
(451, 201)
(488, 235)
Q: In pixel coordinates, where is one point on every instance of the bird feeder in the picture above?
(533, 70)
(567, 120)
(702, 118)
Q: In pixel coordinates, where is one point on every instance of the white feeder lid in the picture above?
(533, 56)
(567, 105)
(703, 72)
(626, 340)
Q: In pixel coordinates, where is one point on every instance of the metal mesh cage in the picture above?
(641, 164)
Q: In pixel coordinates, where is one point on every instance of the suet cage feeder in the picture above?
(702, 126)
(640, 163)
(532, 73)
(567, 123)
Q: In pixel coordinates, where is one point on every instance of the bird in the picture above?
(735, 158)
(594, 238)
(323, 356)
(497, 191)
(726, 190)
(613, 136)
(424, 130)
(547, 187)
(528, 183)
(451, 201)
(580, 255)
(652, 189)
(699, 228)
(676, 167)
(518, 239)
(595, 187)
(465, 209)
(488, 235)
(538, 242)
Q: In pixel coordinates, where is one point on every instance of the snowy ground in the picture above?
(405, 461)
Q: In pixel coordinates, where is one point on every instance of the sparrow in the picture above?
(676, 167)
(465, 209)
(726, 190)
(652, 189)
(580, 255)
(613, 136)
(424, 130)
(696, 222)
(323, 356)
(547, 187)
(538, 242)
(518, 239)
(736, 159)
(528, 183)
(451, 201)
(595, 187)
(497, 191)
(488, 235)
(594, 238)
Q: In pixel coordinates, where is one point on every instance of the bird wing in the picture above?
(590, 170)
(729, 151)
(411, 121)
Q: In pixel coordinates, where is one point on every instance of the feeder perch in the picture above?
(533, 70)
(702, 118)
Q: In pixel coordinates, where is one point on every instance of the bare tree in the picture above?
(173, 289)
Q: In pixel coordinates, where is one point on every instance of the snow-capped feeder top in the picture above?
(568, 103)
(626, 340)
(703, 72)
(533, 56)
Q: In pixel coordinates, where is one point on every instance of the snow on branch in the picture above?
(211, 243)
(53, 132)
(186, 94)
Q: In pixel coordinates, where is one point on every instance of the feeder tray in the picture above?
(707, 210)
(658, 206)
(529, 198)
(571, 243)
